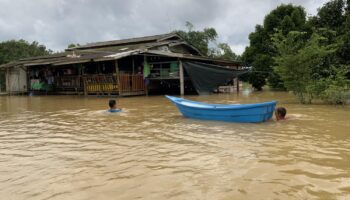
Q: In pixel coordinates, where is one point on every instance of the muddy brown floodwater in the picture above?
(68, 147)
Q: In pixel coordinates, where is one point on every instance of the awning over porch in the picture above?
(207, 77)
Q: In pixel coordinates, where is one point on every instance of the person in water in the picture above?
(280, 113)
(113, 106)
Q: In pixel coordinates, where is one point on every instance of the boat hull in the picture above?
(246, 113)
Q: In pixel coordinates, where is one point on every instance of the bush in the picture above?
(338, 88)
(336, 95)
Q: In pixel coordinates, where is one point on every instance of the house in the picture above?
(156, 64)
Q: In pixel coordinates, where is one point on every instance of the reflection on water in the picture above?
(62, 147)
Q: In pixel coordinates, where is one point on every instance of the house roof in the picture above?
(194, 57)
(138, 40)
(116, 49)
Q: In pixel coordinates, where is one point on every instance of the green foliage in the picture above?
(199, 39)
(338, 90)
(261, 70)
(344, 49)
(304, 66)
(331, 16)
(223, 51)
(287, 25)
(203, 39)
(275, 82)
(336, 94)
(334, 89)
(261, 50)
(73, 45)
(276, 17)
(14, 50)
(309, 57)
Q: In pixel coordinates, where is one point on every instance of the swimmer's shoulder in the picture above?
(114, 110)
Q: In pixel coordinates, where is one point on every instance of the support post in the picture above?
(85, 86)
(8, 89)
(133, 65)
(237, 80)
(182, 81)
(117, 74)
(145, 81)
(84, 79)
(2, 75)
(28, 80)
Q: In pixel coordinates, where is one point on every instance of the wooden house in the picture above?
(112, 68)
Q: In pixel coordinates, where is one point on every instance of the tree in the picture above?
(202, 39)
(306, 67)
(261, 70)
(199, 39)
(344, 49)
(224, 51)
(73, 45)
(331, 16)
(14, 50)
(335, 15)
(275, 18)
(309, 57)
(259, 56)
(260, 52)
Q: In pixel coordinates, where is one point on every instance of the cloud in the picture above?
(57, 23)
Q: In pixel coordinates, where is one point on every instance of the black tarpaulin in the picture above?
(207, 77)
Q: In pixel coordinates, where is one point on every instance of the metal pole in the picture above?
(182, 82)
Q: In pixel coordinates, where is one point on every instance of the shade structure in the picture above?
(207, 77)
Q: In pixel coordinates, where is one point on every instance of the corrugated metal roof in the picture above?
(147, 39)
(113, 50)
(193, 57)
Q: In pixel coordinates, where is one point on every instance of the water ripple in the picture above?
(71, 148)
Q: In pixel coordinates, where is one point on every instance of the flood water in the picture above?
(68, 147)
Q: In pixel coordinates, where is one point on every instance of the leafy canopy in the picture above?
(306, 66)
(259, 54)
(14, 50)
(204, 39)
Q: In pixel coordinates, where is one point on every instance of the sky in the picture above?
(57, 23)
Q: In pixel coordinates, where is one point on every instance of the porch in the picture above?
(123, 77)
(108, 84)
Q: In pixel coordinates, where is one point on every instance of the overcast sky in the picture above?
(57, 23)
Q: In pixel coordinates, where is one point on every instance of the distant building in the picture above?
(156, 64)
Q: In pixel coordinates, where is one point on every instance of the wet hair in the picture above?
(112, 103)
(281, 111)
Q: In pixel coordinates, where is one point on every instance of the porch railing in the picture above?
(124, 84)
(131, 83)
(69, 83)
(100, 84)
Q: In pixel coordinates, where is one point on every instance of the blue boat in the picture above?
(249, 113)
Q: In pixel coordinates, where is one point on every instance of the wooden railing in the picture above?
(68, 83)
(131, 83)
(125, 84)
(100, 84)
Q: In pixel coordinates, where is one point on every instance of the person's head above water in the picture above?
(280, 113)
(112, 104)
